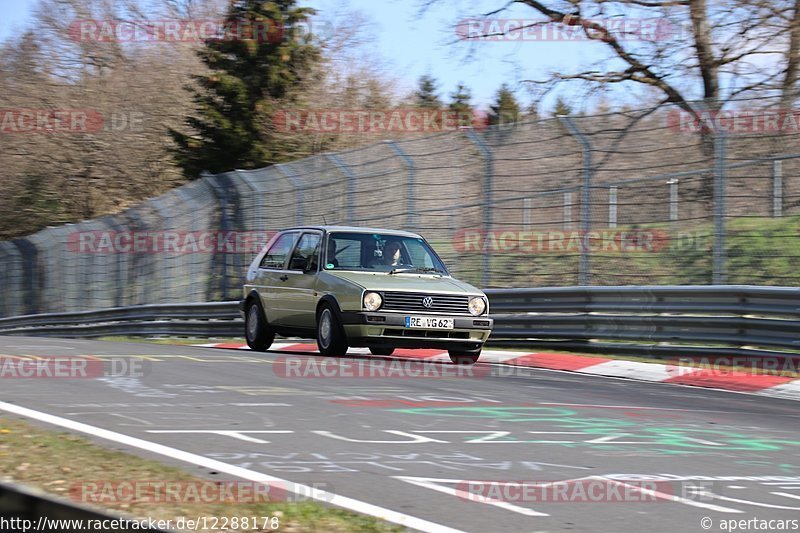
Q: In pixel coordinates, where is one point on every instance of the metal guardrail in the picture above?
(214, 319)
(736, 320)
(657, 320)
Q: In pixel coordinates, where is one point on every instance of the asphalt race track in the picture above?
(639, 456)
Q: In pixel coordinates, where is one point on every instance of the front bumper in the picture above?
(388, 329)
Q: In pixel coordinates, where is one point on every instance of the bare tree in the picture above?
(710, 51)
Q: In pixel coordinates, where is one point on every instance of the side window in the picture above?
(276, 256)
(306, 253)
(348, 253)
(419, 255)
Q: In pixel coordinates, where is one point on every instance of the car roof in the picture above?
(355, 229)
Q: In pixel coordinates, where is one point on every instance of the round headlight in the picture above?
(477, 306)
(372, 301)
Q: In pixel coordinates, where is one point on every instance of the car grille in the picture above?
(412, 301)
(434, 333)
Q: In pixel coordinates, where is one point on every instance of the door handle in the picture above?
(284, 277)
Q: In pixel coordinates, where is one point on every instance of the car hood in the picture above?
(381, 281)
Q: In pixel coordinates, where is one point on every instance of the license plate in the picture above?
(429, 322)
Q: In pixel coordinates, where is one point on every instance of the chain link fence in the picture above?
(625, 198)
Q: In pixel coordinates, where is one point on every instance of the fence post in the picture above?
(31, 279)
(411, 206)
(567, 210)
(351, 186)
(297, 183)
(586, 196)
(673, 199)
(777, 188)
(612, 206)
(226, 197)
(488, 175)
(526, 214)
(720, 155)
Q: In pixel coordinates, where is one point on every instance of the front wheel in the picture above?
(331, 338)
(464, 357)
(257, 332)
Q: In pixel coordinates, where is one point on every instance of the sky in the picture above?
(14, 14)
(416, 43)
(410, 43)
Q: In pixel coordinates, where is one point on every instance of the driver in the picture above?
(391, 253)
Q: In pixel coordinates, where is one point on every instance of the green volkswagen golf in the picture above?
(361, 287)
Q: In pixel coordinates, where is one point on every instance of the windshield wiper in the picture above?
(415, 269)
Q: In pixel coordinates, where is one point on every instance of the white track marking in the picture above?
(433, 484)
(786, 494)
(748, 502)
(671, 497)
(243, 473)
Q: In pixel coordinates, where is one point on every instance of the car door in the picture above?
(299, 294)
(270, 280)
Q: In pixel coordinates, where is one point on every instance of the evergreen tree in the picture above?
(506, 109)
(460, 103)
(255, 71)
(562, 107)
(425, 96)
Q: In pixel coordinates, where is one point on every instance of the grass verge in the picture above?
(62, 463)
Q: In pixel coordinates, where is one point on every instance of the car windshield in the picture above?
(394, 254)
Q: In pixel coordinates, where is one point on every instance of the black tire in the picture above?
(331, 338)
(381, 350)
(256, 330)
(462, 357)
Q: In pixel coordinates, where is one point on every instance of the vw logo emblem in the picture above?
(427, 302)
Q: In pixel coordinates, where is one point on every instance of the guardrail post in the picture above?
(586, 196)
(488, 178)
(777, 188)
(351, 186)
(298, 185)
(673, 199)
(720, 149)
(411, 206)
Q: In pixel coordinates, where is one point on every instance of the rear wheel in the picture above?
(381, 350)
(331, 338)
(461, 357)
(257, 332)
